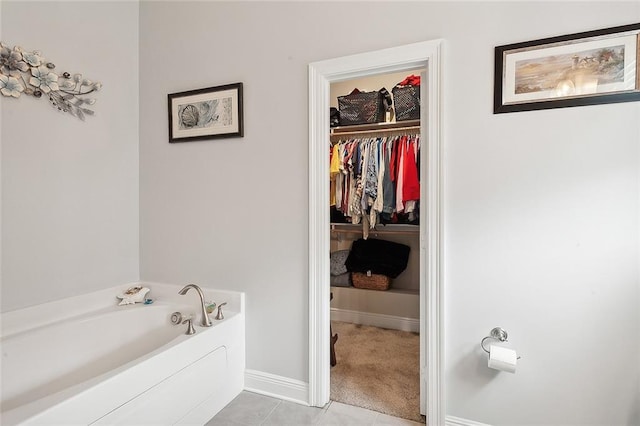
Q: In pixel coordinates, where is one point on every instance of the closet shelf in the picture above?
(376, 128)
(391, 229)
(405, 291)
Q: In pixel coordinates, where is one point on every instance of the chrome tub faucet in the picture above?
(206, 322)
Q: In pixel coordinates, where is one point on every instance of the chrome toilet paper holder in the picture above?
(497, 333)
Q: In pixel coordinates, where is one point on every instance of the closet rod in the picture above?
(376, 126)
(415, 129)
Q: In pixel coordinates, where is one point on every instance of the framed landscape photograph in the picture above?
(210, 113)
(588, 68)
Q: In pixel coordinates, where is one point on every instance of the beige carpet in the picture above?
(377, 369)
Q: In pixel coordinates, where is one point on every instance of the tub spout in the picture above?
(206, 322)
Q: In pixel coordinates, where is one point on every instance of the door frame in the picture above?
(321, 74)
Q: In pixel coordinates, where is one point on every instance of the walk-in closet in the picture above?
(375, 225)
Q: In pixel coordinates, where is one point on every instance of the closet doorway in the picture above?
(376, 319)
(425, 55)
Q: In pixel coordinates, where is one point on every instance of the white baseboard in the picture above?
(376, 320)
(298, 391)
(276, 386)
(457, 421)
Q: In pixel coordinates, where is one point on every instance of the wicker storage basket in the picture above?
(407, 102)
(370, 282)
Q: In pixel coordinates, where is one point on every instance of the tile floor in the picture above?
(249, 409)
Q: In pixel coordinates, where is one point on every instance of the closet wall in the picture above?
(402, 299)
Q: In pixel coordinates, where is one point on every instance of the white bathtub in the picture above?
(86, 360)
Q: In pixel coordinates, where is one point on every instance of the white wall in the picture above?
(541, 208)
(70, 188)
(542, 216)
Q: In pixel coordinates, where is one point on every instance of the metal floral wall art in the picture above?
(29, 73)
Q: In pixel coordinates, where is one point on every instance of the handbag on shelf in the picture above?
(406, 97)
(378, 257)
(364, 107)
(334, 117)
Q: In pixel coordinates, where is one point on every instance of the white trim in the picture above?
(297, 391)
(276, 386)
(432, 244)
(377, 320)
(319, 287)
(457, 421)
(321, 74)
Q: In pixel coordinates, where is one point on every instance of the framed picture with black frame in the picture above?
(587, 68)
(209, 113)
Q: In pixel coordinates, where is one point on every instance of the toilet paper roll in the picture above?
(503, 359)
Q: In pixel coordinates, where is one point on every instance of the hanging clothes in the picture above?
(411, 184)
(389, 200)
(334, 169)
(376, 180)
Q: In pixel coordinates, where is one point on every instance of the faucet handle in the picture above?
(220, 316)
(190, 328)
